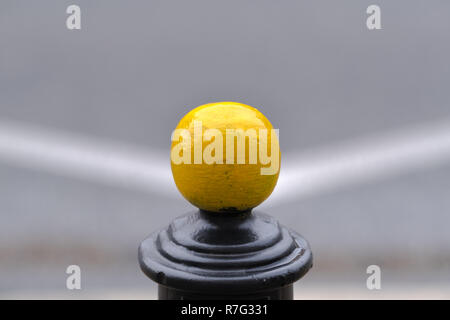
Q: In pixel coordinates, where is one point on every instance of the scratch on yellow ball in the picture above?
(215, 175)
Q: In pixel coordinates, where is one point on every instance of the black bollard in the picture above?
(207, 255)
(225, 250)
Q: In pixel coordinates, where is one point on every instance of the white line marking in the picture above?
(309, 173)
(79, 157)
(302, 175)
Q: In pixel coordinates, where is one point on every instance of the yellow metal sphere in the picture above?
(219, 179)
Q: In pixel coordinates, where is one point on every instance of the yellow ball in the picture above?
(209, 165)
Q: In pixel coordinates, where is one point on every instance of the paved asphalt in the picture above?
(134, 69)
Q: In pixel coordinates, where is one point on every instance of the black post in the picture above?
(206, 255)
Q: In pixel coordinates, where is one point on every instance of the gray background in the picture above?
(136, 67)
